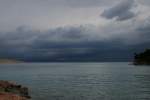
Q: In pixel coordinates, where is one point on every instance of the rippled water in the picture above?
(81, 81)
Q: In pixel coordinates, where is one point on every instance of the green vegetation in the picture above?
(142, 58)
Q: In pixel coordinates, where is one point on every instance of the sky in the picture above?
(74, 30)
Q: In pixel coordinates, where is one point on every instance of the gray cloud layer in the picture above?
(121, 11)
(44, 14)
(105, 41)
(80, 43)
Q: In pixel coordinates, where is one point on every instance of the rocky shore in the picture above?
(13, 91)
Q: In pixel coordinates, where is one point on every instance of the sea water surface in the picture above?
(81, 81)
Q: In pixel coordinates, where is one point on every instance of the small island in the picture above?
(13, 91)
(142, 58)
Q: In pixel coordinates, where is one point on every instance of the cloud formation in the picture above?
(121, 11)
(76, 43)
(86, 37)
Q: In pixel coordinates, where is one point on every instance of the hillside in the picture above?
(142, 58)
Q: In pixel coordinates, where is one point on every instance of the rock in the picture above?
(13, 91)
(9, 96)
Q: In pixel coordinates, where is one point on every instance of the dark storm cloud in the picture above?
(102, 41)
(121, 11)
(145, 2)
(72, 44)
(27, 44)
(143, 29)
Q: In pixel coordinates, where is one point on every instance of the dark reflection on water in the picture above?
(81, 81)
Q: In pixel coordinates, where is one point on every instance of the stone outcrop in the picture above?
(13, 91)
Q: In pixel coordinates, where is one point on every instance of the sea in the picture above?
(81, 81)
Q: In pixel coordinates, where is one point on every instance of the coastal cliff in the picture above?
(13, 91)
(142, 58)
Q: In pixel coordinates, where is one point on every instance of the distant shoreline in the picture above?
(13, 61)
(9, 61)
(19, 62)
